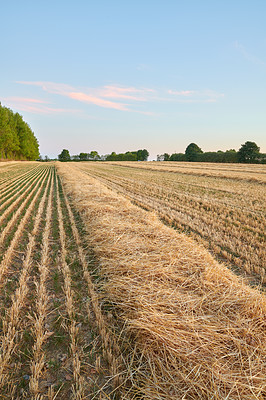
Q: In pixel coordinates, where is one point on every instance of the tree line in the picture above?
(138, 155)
(17, 140)
(249, 152)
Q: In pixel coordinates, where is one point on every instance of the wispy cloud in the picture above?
(98, 101)
(116, 97)
(247, 55)
(195, 96)
(113, 96)
(35, 106)
(129, 93)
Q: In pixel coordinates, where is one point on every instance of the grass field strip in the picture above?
(195, 329)
(232, 231)
(16, 199)
(20, 228)
(17, 188)
(12, 318)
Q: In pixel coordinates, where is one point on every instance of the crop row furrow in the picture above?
(14, 201)
(78, 387)
(12, 319)
(42, 295)
(10, 181)
(18, 187)
(20, 228)
(26, 196)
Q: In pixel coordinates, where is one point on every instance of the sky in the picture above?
(118, 75)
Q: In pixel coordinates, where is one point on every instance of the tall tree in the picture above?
(249, 152)
(94, 155)
(17, 141)
(83, 156)
(142, 155)
(191, 152)
(64, 155)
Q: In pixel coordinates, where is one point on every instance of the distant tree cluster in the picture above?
(92, 156)
(139, 155)
(17, 140)
(248, 153)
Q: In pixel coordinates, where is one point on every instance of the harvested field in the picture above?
(51, 322)
(222, 207)
(101, 300)
(187, 327)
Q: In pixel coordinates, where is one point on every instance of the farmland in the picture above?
(222, 207)
(109, 290)
(50, 317)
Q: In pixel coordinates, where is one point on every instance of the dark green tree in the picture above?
(249, 153)
(83, 156)
(192, 151)
(177, 157)
(64, 156)
(142, 155)
(94, 155)
(129, 156)
(17, 141)
(166, 157)
(112, 156)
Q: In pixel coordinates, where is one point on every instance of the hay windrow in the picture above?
(191, 328)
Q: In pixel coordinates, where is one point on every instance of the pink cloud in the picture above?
(25, 100)
(118, 97)
(96, 96)
(35, 106)
(130, 93)
(195, 96)
(50, 87)
(97, 101)
(181, 93)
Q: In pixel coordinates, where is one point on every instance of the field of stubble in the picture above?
(116, 281)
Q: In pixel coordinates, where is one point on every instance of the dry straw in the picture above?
(192, 329)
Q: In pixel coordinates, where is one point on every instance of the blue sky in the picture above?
(122, 75)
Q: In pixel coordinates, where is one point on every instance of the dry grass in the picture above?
(226, 214)
(111, 350)
(191, 328)
(246, 172)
